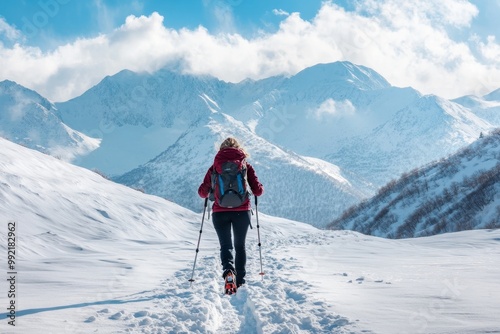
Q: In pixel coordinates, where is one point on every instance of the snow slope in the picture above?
(453, 194)
(29, 119)
(95, 256)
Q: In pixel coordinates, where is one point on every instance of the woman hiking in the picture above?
(231, 210)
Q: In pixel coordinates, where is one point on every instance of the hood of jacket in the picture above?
(228, 154)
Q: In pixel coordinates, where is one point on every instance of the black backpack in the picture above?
(229, 187)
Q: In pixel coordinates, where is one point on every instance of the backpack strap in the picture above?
(247, 185)
(211, 193)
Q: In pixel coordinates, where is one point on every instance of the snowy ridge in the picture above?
(274, 166)
(486, 107)
(137, 115)
(31, 120)
(424, 131)
(95, 256)
(454, 194)
(130, 98)
(316, 111)
(337, 75)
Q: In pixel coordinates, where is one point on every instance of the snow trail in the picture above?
(277, 304)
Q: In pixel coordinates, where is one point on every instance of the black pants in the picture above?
(239, 221)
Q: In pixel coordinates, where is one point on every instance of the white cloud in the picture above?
(10, 32)
(223, 14)
(406, 42)
(280, 12)
(334, 109)
(107, 16)
(396, 13)
(490, 50)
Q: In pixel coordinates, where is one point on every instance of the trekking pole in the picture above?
(258, 235)
(199, 239)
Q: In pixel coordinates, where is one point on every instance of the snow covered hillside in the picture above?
(458, 193)
(29, 119)
(95, 256)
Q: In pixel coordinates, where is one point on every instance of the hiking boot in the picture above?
(227, 271)
(229, 282)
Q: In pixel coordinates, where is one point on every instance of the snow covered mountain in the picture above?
(95, 256)
(137, 115)
(140, 116)
(426, 130)
(457, 193)
(314, 113)
(317, 110)
(31, 120)
(350, 116)
(338, 127)
(487, 107)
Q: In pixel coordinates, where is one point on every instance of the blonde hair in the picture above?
(232, 142)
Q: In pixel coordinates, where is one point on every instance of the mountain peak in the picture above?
(8, 86)
(31, 120)
(493, 96)
(8, 83)
(22, 94)
(343, 71)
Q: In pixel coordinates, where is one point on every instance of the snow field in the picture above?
(97, 257)
(439, 284)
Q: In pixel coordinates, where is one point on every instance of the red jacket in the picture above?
(230, 154)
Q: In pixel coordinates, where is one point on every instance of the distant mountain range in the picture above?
(31, 120)
(458, 193)
(321, 140)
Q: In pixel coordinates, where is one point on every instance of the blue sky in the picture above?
(62, 47)
(47, 22)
